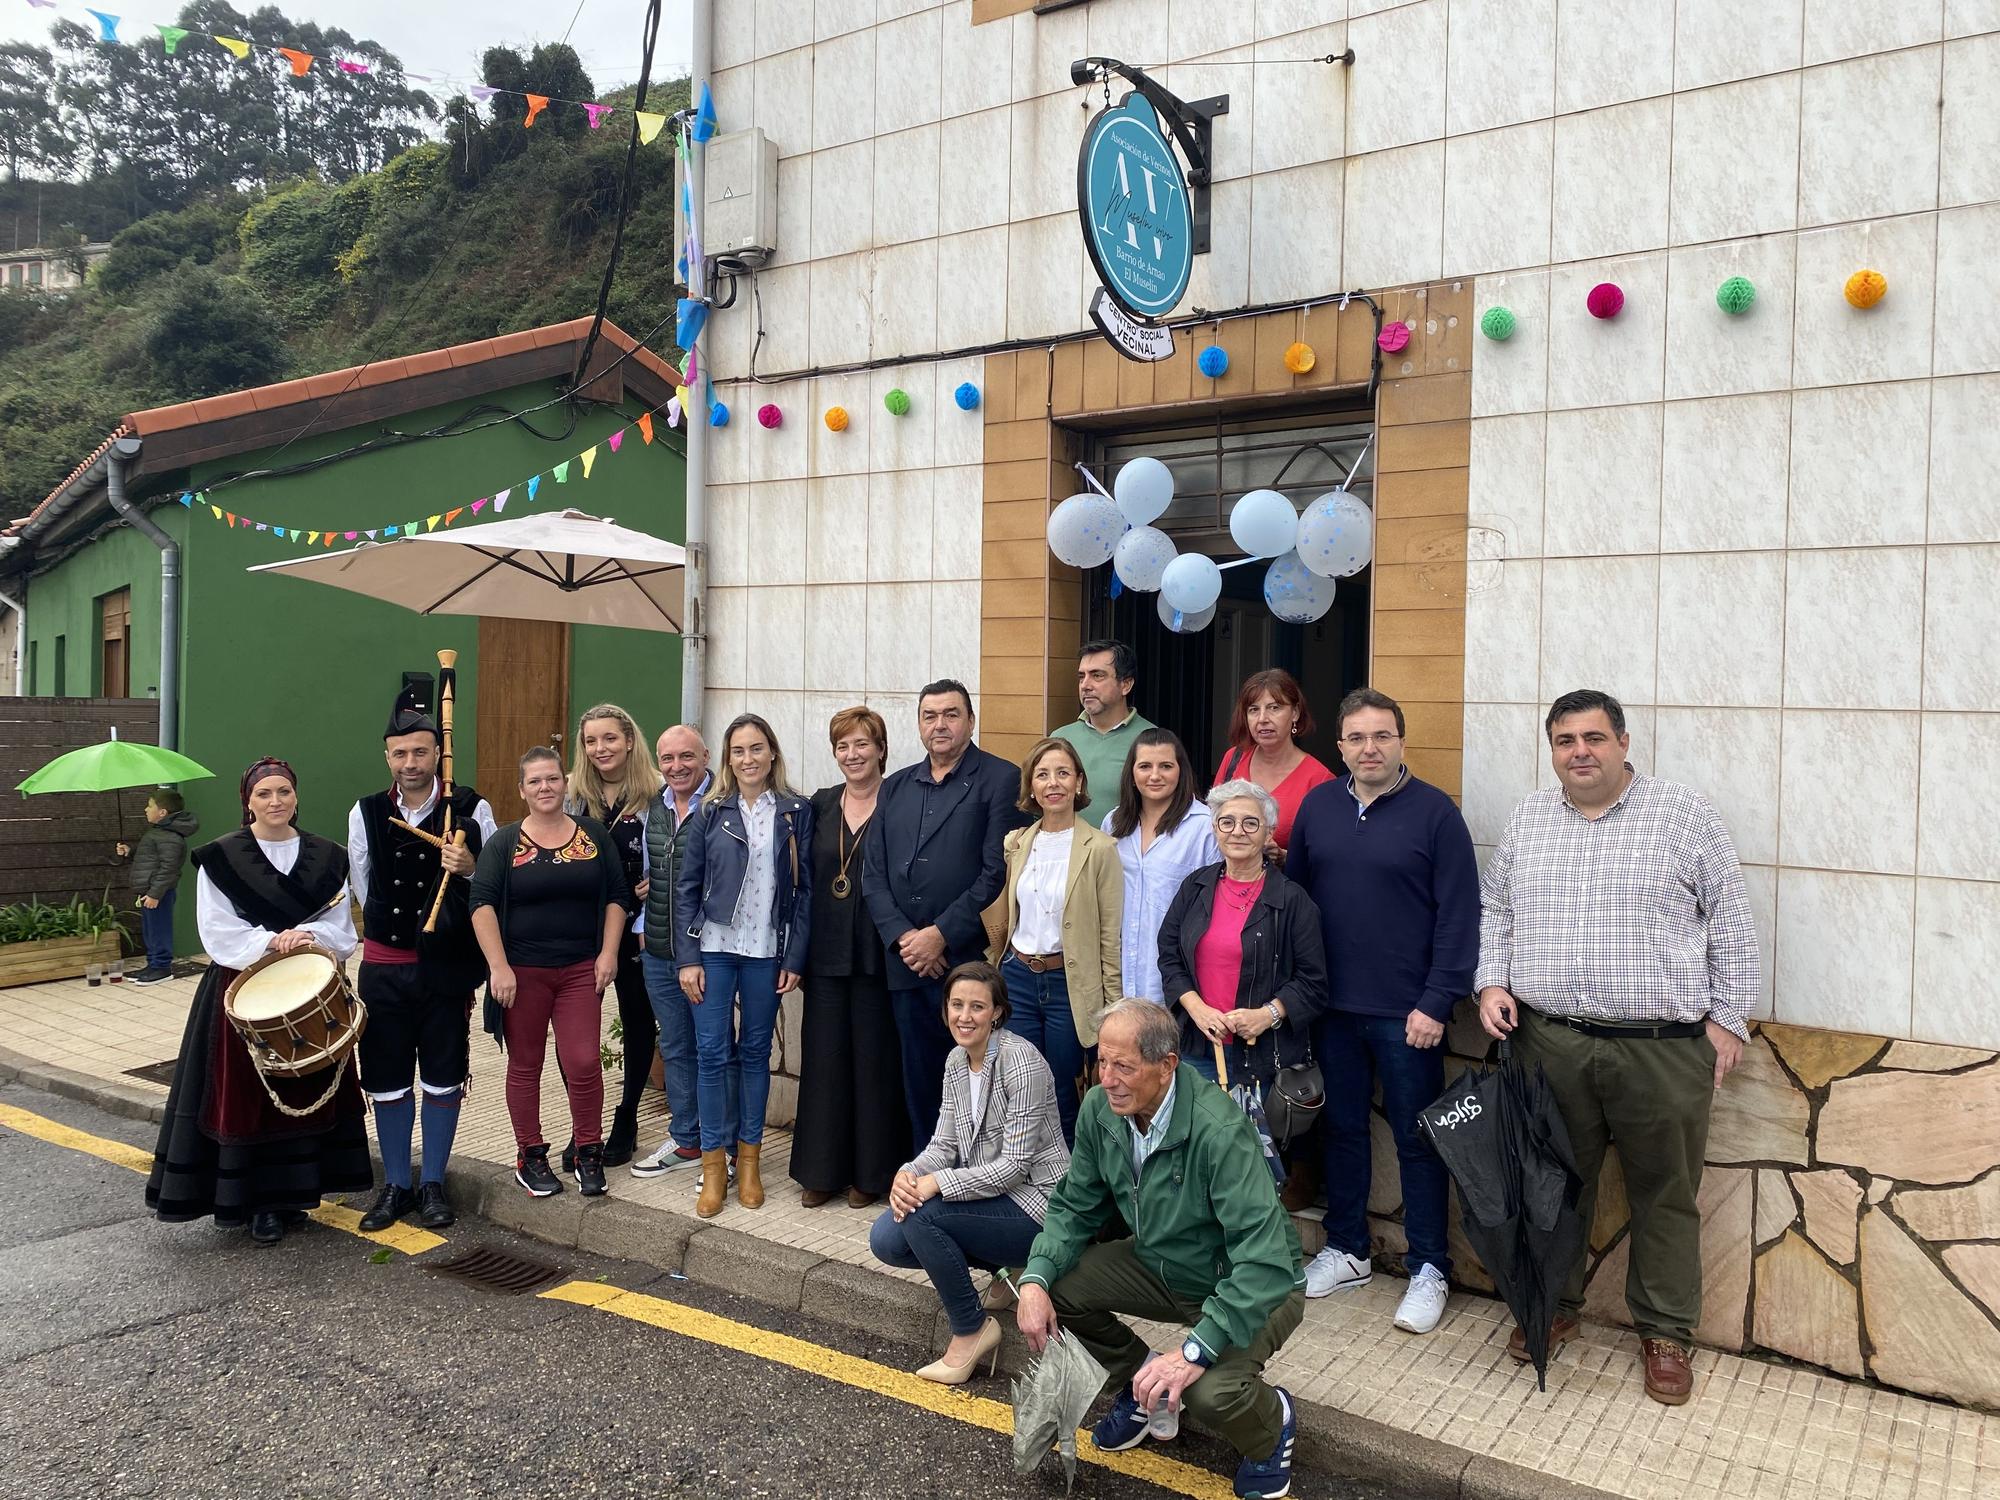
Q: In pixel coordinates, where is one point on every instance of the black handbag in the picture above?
(1294, 1101)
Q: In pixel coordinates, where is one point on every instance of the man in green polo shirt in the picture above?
(1103, 733)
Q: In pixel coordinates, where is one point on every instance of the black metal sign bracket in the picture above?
(1190, 120)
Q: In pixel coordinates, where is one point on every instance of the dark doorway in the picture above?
(1189, 682)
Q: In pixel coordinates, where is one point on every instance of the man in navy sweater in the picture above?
(1388, 860)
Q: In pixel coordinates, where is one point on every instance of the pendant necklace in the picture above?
(842, 887)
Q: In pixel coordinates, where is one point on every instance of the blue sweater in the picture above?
(1398, 893)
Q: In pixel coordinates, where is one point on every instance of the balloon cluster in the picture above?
(1333, 538)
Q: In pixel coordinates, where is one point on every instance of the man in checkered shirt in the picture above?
(1616, 948)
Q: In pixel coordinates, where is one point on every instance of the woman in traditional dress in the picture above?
(228, 1148)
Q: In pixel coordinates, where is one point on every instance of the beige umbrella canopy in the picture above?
(565, 566)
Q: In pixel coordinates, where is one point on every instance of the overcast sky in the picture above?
(432, 36)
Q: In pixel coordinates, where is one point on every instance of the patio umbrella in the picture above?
(1249, 1098)
(570, 567)
(1502, 1139)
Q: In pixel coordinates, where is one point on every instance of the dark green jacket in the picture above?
(1205, 1215)
(665, 845)
(161, 853)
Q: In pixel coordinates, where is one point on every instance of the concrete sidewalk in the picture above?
(1448, 1411)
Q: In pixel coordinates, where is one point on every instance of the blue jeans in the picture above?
(947, 1238)
(1356, 1052)
(729, 1115)
(156, 926)
(677, 1050)
(1041, 1014)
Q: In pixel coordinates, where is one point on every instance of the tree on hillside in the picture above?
(28, 134)
(216, 334)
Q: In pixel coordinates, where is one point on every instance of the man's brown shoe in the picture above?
(814, 1197)
(1561, 1331)
(1669, 1371)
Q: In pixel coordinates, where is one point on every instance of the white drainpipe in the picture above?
(694, 628)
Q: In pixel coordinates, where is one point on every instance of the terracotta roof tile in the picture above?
(271, 397)
(427, 363)
(219, 408)
(383, 372)
(559, 333)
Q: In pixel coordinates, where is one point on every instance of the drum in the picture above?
(295, 1012)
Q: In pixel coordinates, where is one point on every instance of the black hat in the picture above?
(412, 713)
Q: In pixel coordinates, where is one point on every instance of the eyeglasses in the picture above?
(1381, 740)
(1234, 825)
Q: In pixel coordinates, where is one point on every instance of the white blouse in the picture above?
(1151, 881)
(1041, 892)
(230, 940)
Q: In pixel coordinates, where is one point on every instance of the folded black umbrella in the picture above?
(1502, 1139)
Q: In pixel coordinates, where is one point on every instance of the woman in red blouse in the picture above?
(1271, 714)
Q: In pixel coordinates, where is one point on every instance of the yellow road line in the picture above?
(880, 1380)
(404, 1237)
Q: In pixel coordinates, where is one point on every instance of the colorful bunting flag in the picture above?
(278, 532)
(589, 457)
(536, 104)
(170, 37)
(107, 26)
(391, 530)
(352, 536)
(649, 124)
(533, 485)
(312, 538)
(348, 65)
(301, 61)
(704, 116)
(646, 427)
(477, 506)
(597, 112)
(371, 535)
(431, 522)
(232, 518)
(500, 501)
(615, 439)
(561, 471)
(481, 93)
(216, 511)
(453, 514)
(235, 45)
(187, 498)
(43, 4)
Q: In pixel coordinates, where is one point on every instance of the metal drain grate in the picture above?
(497, 1271)
(161, 1073)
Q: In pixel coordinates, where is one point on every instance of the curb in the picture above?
(854, 1297)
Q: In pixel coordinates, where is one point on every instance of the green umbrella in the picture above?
(115, 763)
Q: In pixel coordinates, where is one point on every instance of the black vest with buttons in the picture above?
(403, 877)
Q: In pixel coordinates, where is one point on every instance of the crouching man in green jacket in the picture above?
(1210, 1249)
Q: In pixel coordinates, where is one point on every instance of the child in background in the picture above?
(156, 872)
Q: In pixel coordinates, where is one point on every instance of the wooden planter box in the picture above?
(54, 958)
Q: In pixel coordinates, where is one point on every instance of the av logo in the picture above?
(1132, 195)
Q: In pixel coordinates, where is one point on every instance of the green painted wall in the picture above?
(64, 602)
(277, 666)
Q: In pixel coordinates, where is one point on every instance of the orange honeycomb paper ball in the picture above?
(1866, 288)
(836, 419)
(1300, 358)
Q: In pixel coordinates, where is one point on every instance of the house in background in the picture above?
(44, 269)
(270, 665)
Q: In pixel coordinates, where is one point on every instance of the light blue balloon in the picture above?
(1084, 530)
(1183, 624)
(1191, 583)
(1336, 535)
(1142, 556)
(1295, 593)
(1264, 524)
(1145, 488)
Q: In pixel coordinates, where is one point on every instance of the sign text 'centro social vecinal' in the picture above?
(1133, 198)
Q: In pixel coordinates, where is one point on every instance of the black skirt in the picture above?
(195, 1176)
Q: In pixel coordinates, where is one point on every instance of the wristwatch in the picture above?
(1277, 1016)
(1194, 1354)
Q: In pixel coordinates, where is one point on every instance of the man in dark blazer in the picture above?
(932, 865)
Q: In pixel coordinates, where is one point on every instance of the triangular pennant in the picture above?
(431, 522)
(234, 44)
(704, 116)
(536, 104)
(674, 411)
(170, 37)
(328, 538)
(649, 124)
(187, 498)
(232, 518)
(301, 61)
(349, 65)
(262, 527)
(561, 471)
(615, 440)
(589, 457)
(278, 532)
(481, 93)
(646, 427)
(533, 485)
(372, 533)
(500, 500)
(478, 506)
(107, 26)
(216, 511)
(312, 538)
(597, 112)
(351, 536)
(391, 530)
(453, 514)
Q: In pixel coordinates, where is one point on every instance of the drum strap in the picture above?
(339, 1073)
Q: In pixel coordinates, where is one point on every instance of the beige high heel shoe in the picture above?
(943, 1373)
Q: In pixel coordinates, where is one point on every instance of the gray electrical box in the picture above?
(740, 212)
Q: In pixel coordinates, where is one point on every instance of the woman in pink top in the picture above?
(1271, 714)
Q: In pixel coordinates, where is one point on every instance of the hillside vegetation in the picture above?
(283, 269)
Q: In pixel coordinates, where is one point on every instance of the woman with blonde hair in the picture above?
(1065, 903)
(612, 780)
(853, 1127)
(742, 909)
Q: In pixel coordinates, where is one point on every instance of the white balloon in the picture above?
(1189, 624)
(1145, 488)
(1336, 535)
(1142, 556)
(1191, 583)
(1264, 524)
(1295, 593)
(1084, 530)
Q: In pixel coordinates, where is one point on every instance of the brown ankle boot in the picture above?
(714, 1183)
(749, 1184)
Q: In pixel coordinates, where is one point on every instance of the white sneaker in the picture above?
(1423, 1303)
(666, 1159)
(1334, 1270)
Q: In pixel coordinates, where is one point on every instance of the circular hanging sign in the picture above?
(1138, 222)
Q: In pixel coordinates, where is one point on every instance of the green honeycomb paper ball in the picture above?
(898, 402)
(1497, 323)
(1735, 295)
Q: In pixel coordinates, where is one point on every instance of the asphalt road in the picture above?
(144, 1359)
